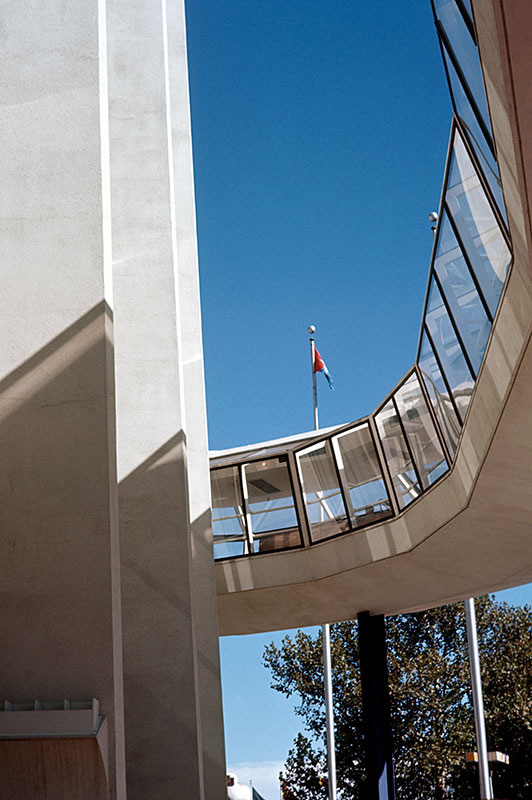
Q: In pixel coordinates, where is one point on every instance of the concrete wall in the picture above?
(103, 457)
(169, 615)
(59, 581)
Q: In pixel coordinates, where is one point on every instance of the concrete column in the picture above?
(376, 706)
(174, 736)
(59, 582)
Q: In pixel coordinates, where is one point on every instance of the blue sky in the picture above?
(319, 132)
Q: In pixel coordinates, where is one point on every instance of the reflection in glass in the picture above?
(270, 505)
(481, 236)
(439, 395)
(449, 351)
(228, 521)
(362, 476)
(476, 138)
(323, 496)
(420, 431)
(461, 294)
(467, 4)
(402, 470)
(465, 51)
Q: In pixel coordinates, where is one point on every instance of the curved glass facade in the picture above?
(456, 32)
(299, 493)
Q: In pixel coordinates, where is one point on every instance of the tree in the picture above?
(430, 696)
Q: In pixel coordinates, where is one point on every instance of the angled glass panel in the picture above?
(321, 491)
(476, 138)
(362, 476)
(449, 350)
(270, 505)
(467, 4)
(461, 294)
(439, 395)
(402, 470)
(228, 520)
(465, 51)
(479, 231)
(420, 431)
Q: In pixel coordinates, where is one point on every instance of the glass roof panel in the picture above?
(270, 504)
(420, 431)
(461, 294)
(439, 395)
(479, 231)
(361, 472)
(449, 350)
(476, 138)
(397, 456)
(321, 491)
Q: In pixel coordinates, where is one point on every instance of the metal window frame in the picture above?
(301, 451)
(283, 458)
(338, 459)
(291, 458)
(414, 374)
(299, 502)
(248, 536)
(385, 469)
(443, 374)
(247, 515)
(245, 539)
(376, 414)
(446, 213)
(445, 450)
(455, 326)
(335, 446)
(474, 107)
(468, 19)
(436, 237)
(432, 271)
(408, 447)
(458, 128)
(447, 47)
(444, 208)
(467, 260)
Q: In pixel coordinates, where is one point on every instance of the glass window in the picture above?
(449, 350)
(467, 4)
(476, 138)
(461, 294)
(362, 476)
(420, 431)
(476, 223)
(439, 395)
(321, 491)
(228, 520)
(465, 51)
(270, 504)
(402, 470)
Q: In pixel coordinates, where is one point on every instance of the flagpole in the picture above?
(325, 629)
(314, 387)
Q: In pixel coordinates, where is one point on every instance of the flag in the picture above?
(319, 366)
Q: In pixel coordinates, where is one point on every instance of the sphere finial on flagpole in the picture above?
(311, 329)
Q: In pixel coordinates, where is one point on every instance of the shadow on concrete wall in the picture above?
(60, 579)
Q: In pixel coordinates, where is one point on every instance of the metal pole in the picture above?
(329, 713)
(314, 388)
(325, 636)
(486, 791)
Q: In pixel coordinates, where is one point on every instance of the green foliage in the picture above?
(430, 699)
